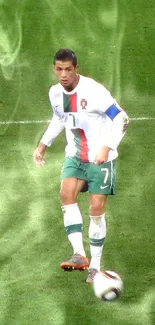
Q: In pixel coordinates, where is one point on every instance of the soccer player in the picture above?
(94, 124)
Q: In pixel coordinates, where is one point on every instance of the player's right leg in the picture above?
(71, 185)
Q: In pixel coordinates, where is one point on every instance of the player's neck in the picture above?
(73, 85)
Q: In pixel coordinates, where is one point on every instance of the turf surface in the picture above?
(114, 41)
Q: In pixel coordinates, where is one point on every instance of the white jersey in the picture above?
(91, 117)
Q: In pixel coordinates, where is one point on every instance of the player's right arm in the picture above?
(55, 127)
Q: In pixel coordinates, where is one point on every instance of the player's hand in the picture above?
(38, 158)
(38, 155)
(102, 156)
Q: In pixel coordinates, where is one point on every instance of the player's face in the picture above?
(66, 73)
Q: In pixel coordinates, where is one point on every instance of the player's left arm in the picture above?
(118, 123)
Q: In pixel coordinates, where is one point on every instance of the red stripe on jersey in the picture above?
(73, 102)
(83, 146)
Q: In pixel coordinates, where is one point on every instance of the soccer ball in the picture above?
(107, 285)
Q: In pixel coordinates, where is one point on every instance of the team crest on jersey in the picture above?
(83, 103)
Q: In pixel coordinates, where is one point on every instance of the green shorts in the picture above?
(101, 178)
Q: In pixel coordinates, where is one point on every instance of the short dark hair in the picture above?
(65, 55)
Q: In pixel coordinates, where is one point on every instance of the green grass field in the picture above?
(114, 41)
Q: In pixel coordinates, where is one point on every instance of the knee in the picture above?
(67, 197)
(97, 206)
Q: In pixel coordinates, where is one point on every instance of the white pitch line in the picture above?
(24, 122)
(141, 118)
(48, 121)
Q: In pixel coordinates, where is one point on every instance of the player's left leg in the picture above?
(101, 184)
(97, 232)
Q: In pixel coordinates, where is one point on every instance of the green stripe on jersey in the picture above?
(66, 102)
(70, 103)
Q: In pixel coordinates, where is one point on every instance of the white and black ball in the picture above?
(107, 285)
